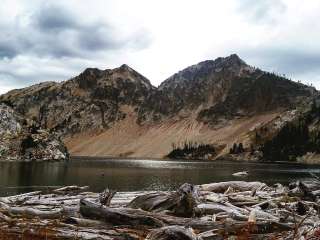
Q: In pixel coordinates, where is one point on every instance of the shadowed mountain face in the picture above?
(206, 95)
(228, 88)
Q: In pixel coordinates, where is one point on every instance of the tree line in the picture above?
(191, 150)
(295, 138)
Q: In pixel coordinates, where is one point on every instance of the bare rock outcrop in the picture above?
(22, 140)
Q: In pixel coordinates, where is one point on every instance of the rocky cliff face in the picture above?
(118, 111)
(22, 140)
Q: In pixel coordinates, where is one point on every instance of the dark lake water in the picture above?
(132, 175)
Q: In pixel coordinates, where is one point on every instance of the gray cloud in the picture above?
(261, 10)
(54, 42)
(7, 50)
(56, 31)
(55, 18)
(285, 60)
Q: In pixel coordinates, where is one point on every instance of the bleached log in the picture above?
(264, 215)
(117, 216)
(213, 197)
(20, 198)
(211, 235)
(136, 217)
(214, 208)
(69, 189)
(221, 187)
(83, 222)
(181, 202)
(31, 212)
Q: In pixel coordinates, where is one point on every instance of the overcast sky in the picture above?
(53, 40)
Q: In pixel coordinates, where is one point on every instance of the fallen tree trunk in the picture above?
(239, 186)
(70, 189)
(136, 217)
(242, 210)
(181, 203)
(117, 216)
(31, 212)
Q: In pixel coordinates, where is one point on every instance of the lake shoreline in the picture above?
(140, 175)
(223, 160)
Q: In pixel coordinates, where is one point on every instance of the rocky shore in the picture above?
(225, 210)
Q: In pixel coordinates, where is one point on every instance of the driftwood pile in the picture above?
(225, 210)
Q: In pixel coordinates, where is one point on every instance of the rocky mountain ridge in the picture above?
(118, 112)
(22, 140)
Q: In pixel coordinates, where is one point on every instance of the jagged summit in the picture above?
(92, 77)
(126, 67)
(231, 64)
(229, 61)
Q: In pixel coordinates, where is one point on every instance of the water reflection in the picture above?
(125, 175)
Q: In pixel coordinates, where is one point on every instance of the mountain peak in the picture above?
(232, 64)
(234, 56)
(126, 67)
(235, 59)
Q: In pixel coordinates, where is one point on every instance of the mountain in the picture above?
(21, 139)
(228, 88)
(117, 112)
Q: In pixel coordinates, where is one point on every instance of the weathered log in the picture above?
(4, 206)
(224, 214)
(70, 189)
(181, 203)
(20, 198)
(214, 208)
(172, 232)
(211, 235)
(213, 197)
(117, 216)
(236, 185)
(31, 212)
(83, 222)
(260, 214)
(136, 217)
